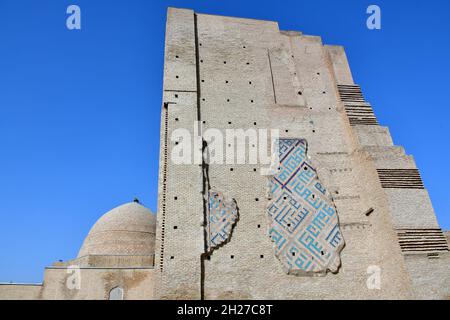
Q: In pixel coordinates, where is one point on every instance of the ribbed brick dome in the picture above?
(126, 230)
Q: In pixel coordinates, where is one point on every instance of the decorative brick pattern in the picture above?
(350, 93)
(360, 114)
(422, 240)
(400, 178)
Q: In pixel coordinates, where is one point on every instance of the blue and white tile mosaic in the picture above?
(304, 224)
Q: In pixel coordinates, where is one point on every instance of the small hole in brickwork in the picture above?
(292, 56)
(293, 254)
(176, 143)
(254, 123)
(243, 47)
(203, 80)
(287, 131)
(175, 227)
(177, 77)
(228, 100)
(249, 82)
(256, 199)
(259, 226)
(176, 119)
(306, 168)
(300, 93)
(176, 57)
(201, 61)
(314, 131)
(261, 256)
(248, 63)
(175, 198)
(323, 253)
(203, 99)
(176, 96)
(224, 62)
(284, 198)
(229, 122)
(251, 101)
(204, 121)
(254, 169)
(318, 73)
(232, 257)
(329, 108)
(226, 81)
(323, 92)
(200, 44)
(288, 224)
(310, 108)
(313, 196)
(231, 169)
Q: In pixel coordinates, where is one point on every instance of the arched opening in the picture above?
(116, 294)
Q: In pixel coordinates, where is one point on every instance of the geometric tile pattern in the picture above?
(222, 216)
(304, 224)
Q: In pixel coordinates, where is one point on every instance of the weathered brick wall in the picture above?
(233, 73)
(20, 291)
(95, 284)
(297, 64)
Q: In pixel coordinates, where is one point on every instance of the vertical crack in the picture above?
(203, 165)
(271, 74)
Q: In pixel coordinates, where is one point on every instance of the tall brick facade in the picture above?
(230, 73)
(335, 210)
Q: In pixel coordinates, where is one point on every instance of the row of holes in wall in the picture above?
(177, 95)
(230, 123)
(176, 198)
(261, 256)
(257, 226)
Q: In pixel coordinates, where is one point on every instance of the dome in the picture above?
(127, 230)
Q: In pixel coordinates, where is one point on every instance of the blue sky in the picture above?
(79, 110)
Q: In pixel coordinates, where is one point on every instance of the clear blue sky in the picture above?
(79, 110)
